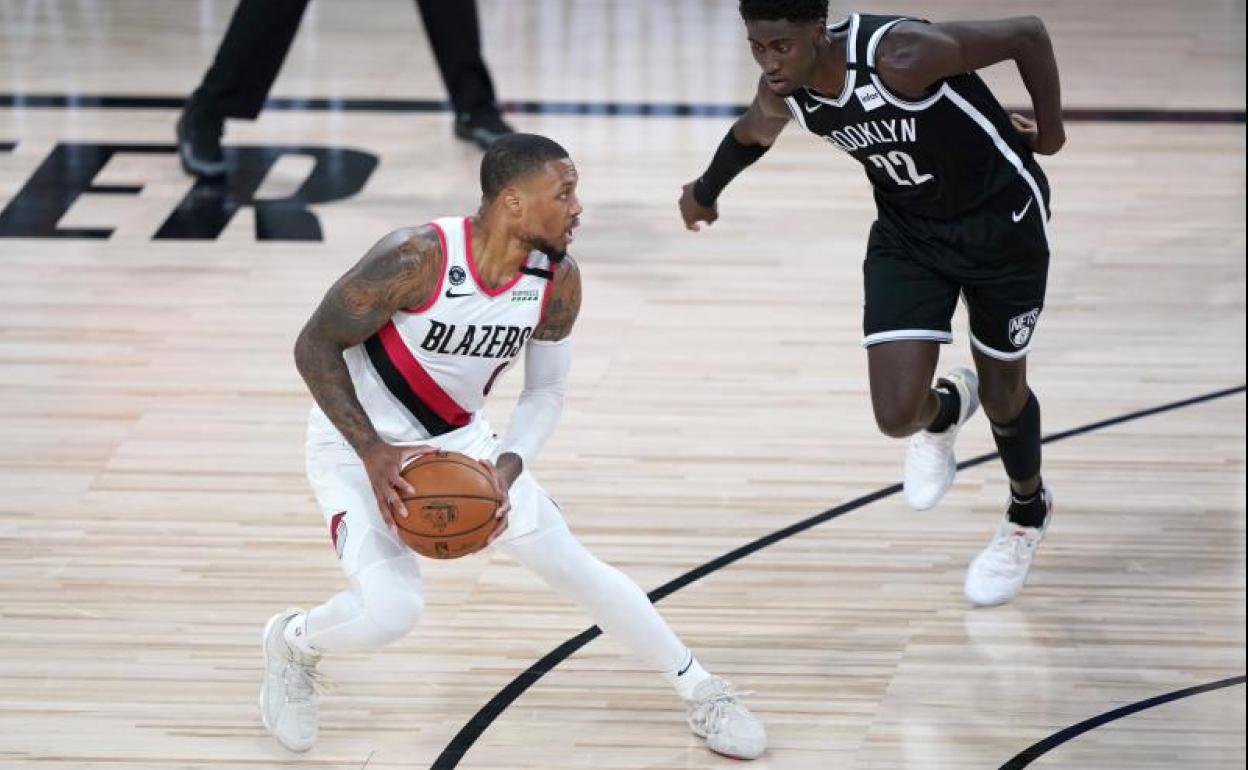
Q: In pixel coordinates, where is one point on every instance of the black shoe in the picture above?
(199, 142)
(485, 127)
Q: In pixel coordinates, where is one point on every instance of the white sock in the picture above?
(686, 677)
(296, 634)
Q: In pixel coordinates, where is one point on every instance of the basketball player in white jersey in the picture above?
(400, 356)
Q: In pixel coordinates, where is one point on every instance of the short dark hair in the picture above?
(514, 156)
(797, 11)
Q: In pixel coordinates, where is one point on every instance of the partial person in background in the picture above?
(256, 44)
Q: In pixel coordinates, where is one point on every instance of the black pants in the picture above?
(261, 31)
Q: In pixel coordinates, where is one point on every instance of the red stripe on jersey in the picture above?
(547, 290)
(446, 258)
(424, 386)
(472, 265)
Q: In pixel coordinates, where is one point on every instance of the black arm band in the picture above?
(730, 159)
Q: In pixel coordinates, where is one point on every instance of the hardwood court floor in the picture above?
(153, 511)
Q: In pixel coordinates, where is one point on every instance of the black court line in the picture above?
(1032, 753)
(477, 725)
(555, 107)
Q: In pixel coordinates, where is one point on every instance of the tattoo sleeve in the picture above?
(565, 303)
(399, 271)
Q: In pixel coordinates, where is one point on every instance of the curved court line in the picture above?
(1034, 752)
(470, 732)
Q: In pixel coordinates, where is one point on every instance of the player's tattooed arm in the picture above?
(400, 271)
(914, 56)
(563, 305)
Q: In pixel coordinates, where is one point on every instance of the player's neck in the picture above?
(830, 70)
(496, 254)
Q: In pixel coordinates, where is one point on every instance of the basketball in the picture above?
(452, 513)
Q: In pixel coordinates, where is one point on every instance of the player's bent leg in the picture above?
(622, 610)
(1000, 570)
(901, 385)
(906, 404)
(383, 604)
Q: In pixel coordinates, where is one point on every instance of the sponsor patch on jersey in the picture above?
(338, 531)
(525, 295)
(1021, 327)
(457, 275)
(869, 97)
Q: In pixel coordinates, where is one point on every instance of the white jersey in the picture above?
(427, 371)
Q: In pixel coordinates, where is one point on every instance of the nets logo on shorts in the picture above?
(1021, 327)
(338, 531)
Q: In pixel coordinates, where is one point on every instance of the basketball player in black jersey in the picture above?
(963, 210)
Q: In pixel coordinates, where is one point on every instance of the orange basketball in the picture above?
(452, 513)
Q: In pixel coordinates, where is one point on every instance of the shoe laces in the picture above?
(304, 682)
(1013, 545)
(719, 704)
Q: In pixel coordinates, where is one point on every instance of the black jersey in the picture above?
(938, 157)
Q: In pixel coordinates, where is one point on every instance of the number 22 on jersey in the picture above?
(898, 161)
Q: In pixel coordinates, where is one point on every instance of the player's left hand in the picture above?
(504, 500)
(1041, 143)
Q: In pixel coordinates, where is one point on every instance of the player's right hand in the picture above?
(384, 464)
(1041, 142)
(693, 212)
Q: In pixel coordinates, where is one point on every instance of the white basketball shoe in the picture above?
(715, 714)
(930, 464)
(999, 572)
(289, 691)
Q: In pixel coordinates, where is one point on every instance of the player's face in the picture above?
(785, 51)
(551, 210)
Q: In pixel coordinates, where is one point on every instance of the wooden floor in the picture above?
(153, 511)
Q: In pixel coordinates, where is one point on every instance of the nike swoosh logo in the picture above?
(452, 295)
(1018, 215)
(688, 666)
(809, 108)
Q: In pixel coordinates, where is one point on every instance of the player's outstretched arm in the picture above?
(547, 361)
(750, 136)
(913, 56)
(400, 271)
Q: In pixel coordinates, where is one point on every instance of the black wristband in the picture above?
(730, 159)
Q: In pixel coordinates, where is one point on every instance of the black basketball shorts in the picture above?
(996, 257)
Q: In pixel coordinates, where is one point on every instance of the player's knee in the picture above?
(393, 600)
(897, 419)
(573, 567)
(394, 613)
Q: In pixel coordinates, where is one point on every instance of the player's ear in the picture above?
(818, 32)
(510, 198)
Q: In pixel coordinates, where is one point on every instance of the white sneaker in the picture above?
(998, 573)
(289, 692)
(728, 727)
(930, 464)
